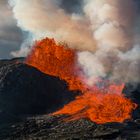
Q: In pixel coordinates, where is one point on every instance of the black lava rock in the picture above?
(24, 90)
(132, 91)
(54, 128)
(28, 95)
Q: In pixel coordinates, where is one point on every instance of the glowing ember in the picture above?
(98, 104)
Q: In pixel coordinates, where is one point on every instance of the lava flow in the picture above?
(97, 104)
(56, 60)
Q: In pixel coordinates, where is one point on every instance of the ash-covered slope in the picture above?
(26, 91)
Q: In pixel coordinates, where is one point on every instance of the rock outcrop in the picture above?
(53, 128)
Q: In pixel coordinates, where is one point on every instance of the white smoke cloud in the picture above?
(44, 18)
(112, 24)
(21, 53)
(104, 34)
(92, 66)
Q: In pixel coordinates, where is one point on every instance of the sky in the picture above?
(11, 36)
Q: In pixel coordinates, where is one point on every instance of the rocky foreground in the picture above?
(26, 95)
(53, 128)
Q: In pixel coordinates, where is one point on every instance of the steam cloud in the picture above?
(45, 18)
(104, 34)
(112, 24)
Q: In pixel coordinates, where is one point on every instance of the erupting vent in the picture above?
(98, 104)
(56, 60)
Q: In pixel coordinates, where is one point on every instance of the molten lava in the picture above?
(99, 108)
(98, 104)
(56, 60)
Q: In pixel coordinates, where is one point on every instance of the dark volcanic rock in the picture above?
(24, 90)
(132, 91)
(11, 61)
(26, 94)
(53, 128)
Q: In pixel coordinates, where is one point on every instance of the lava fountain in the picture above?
(99, 104)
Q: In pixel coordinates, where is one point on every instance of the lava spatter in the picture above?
(96, 104)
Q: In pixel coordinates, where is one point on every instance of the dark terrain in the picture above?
(28, 95)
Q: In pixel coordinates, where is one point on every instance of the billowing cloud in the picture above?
(48, 19)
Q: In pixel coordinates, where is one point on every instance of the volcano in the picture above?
(42, 97)
(24, 104)
(58, 60)
(78, 78)
(18, 95)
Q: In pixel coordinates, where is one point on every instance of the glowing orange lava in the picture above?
(100, 105)
(56, 60)
(99, 108)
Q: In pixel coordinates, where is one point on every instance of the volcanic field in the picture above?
(42, 97)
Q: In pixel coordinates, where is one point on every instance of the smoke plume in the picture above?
(46, 18)
(117, 53)
(103, 33)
